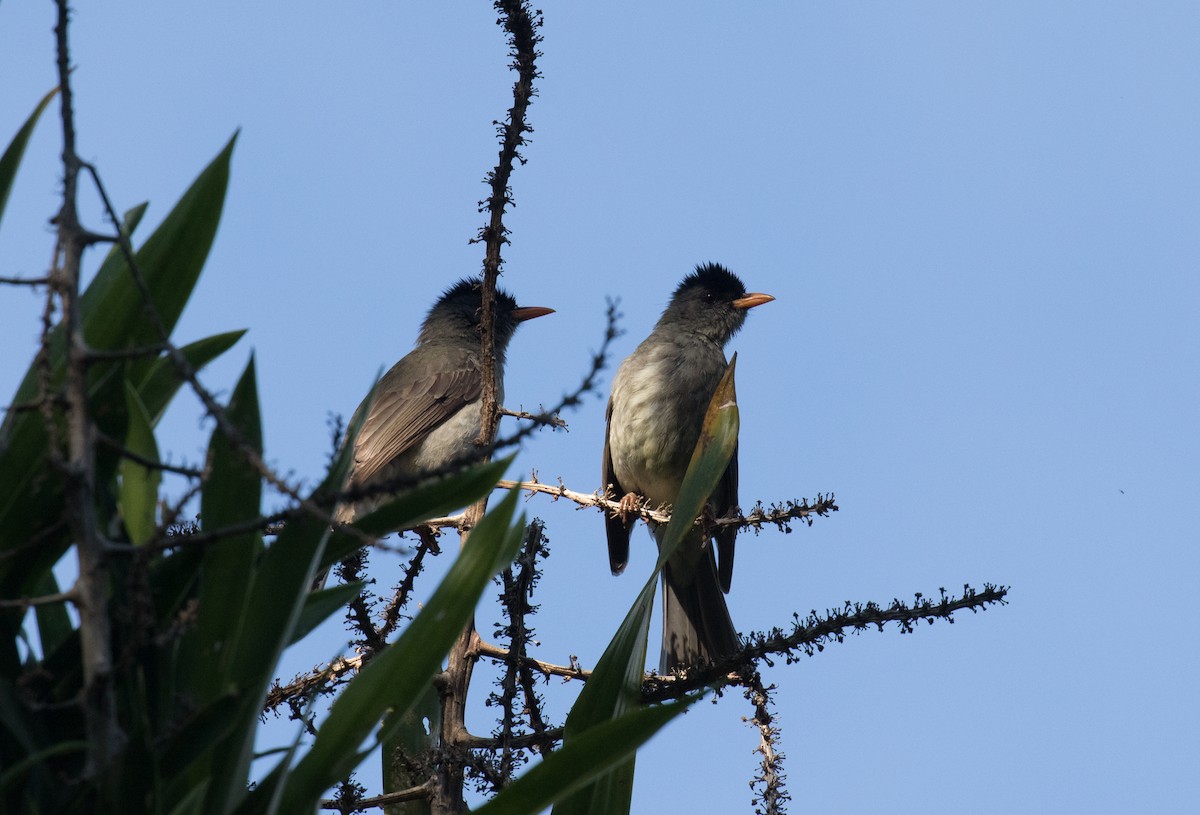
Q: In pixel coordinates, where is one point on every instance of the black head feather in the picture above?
(704, 304)
(458, 314)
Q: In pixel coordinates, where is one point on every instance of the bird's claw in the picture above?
(628, 505)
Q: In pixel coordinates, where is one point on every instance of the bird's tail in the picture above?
(696, 622)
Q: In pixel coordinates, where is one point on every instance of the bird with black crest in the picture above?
(425, 415)
(659, 398)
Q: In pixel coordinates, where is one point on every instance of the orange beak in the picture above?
(752, 299)
(529, 312)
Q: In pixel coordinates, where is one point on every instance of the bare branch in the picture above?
(499, 654)
(24, 603)
(543, 419)
(105, 739)
(541, 741)
(138, 458)
(388, 798)
(779, 515)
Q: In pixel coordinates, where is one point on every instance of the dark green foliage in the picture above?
(199, 616)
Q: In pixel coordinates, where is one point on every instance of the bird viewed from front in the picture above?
(659, 397)
(425, 415)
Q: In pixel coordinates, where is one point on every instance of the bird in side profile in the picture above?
(659, 398)
(426, 412)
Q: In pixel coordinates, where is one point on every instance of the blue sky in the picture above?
(980, 222)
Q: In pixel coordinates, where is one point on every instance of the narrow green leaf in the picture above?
(170, 262)
(410, 743)
(161, 381)
(192, 801)
(114, 318)
(199, 734)
(614, 685)
(276, 598)
(232, 495)
(586, 758)
(395, 679)
(16, 772)
(11, 160)
(138, 496)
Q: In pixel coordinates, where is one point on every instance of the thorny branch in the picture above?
(517, 677)
(779, 515)
(770, 794)
(521, 25)
(24, 281)
(105, 739)
(812, 633)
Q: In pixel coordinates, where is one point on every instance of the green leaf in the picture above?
(395, 679)
(11, 160)
(614, 686)
(170, 262)
(276, 598)
(138, 497)
(199, 734)
(162, 380)
(208, 664)
(114, 317)
(586, 758)
(415, 733)
(232, 495)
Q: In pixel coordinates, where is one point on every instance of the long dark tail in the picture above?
(696, 622)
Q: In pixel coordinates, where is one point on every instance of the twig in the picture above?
(24, 603)
(499, 654)
(304, 686)
(410, 794)
(778, 515)
(551, 420)
(771, 792)
(150, 464)
(811, 634)
(392, 612)
(524, 741)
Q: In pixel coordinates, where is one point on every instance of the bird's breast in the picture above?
(658, 405)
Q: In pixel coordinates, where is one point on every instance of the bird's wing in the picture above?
(724, 498)
(616, 528)
(405, 410)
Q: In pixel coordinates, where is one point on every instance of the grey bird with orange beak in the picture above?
(659, 397)
(426, 412)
